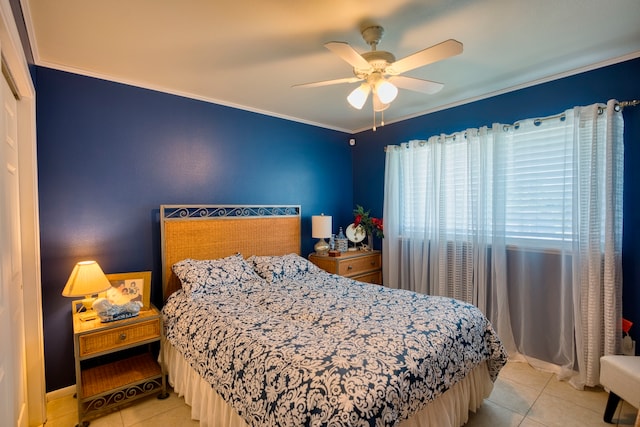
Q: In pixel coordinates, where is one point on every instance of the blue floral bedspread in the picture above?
(326, 350)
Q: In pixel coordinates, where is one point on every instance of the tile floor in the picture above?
(521, 397)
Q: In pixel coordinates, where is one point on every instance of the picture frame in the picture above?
(128, 287)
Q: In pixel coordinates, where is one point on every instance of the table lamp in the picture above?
(321, 229)
(86, 280)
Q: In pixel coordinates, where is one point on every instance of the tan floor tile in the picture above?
(57, 408)
(593, 398)
(514, 396)
(179, 416)
(112, 419)
(553, 411)
(68, 420)
(528, 422)
(492, 415)
(524, 374)
(625, 415)
(149, 407)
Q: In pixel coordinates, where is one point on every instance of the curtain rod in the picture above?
(618, 107)
(623, 104)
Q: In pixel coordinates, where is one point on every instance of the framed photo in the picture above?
(127, 287)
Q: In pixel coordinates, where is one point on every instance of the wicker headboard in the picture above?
(216, 231)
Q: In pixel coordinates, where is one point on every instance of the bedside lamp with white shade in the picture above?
(321, 229)
(86, 279)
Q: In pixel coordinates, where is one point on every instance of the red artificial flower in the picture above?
(372, 226)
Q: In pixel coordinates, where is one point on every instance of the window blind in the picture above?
(538, 175)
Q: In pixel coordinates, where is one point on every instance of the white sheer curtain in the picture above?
(524, 221)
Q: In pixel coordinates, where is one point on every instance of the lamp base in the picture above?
(321, 247)
(86, 311)
(85, 316)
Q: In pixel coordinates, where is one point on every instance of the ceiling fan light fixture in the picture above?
(386, 91)
(358, 96)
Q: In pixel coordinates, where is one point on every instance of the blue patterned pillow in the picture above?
(203, 276)
(277, 268)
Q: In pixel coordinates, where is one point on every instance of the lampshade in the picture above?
(386, 91)
(359, 95)
(320, 226)
(87, 278)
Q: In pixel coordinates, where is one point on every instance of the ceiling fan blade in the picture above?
(329, 82)
(426, 56)
(349, 54)
(416, 85)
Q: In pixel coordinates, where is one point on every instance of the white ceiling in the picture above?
(248, 53)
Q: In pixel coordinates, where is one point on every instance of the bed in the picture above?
(254, 334)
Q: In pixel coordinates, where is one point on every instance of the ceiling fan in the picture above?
(379, 71)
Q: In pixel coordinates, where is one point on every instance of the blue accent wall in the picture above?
(110, 154)
(618, 81)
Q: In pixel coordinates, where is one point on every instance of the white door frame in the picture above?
(16, 62)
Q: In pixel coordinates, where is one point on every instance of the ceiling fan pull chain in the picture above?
(374, 119)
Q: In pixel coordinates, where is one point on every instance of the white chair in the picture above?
(620, 375)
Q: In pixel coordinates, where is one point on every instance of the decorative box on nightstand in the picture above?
(365, 266)
(116, 362)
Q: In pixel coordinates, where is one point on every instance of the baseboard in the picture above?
(62, 392)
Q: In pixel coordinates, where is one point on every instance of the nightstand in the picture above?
(115, 361)
(365, 266)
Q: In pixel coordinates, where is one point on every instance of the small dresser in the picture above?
(116, 361)
(365, 266)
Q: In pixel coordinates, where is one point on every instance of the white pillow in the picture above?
(203, 276)
(278, 268)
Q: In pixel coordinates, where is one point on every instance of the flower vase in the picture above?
(370, 241)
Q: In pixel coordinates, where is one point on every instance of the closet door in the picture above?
(13, 401)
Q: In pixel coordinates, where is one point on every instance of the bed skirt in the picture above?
(449, 410)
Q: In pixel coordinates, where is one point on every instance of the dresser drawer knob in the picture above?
(123, 336)
(350, 267)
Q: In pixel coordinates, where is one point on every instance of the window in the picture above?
(522, 178)
(538, 180)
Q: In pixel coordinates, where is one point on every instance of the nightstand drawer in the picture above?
(110, 339)
(353, 266)
(374, 277)
(364, 266)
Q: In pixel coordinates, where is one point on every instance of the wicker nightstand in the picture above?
(115, 361)
(365, 266)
